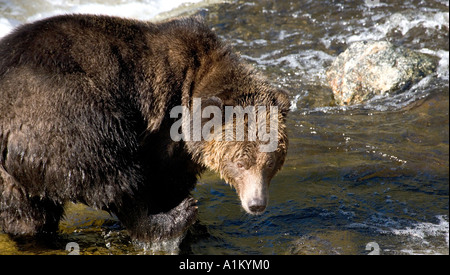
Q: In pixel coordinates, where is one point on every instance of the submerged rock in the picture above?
(371, 68)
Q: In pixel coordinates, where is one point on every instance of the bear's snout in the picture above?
(254, 194)
(257, 206)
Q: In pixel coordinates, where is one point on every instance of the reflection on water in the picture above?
(376, 172)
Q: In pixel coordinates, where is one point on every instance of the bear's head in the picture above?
(234, 121)
(243, 138)
(253, 146)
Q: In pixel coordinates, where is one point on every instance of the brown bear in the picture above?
(85, 116)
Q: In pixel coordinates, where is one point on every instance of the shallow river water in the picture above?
(375, 174)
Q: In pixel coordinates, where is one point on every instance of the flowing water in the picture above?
(370, 175)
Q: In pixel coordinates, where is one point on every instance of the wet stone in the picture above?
(370, 68)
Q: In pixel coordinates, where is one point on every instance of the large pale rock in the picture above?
(372, 68)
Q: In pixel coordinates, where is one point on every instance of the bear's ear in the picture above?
(199, 18)
(212, 101)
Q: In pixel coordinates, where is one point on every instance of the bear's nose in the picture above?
(257, 206)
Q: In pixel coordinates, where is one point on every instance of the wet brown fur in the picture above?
(84, 117)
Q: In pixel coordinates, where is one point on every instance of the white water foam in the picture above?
(402, 22)
(311, 62)
(166, 247)
(418, 237)
(424, 230)
(411, 238)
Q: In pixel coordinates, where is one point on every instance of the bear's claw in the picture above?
(187, 211)
(181, 217)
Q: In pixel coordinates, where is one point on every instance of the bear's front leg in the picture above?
(153, 228)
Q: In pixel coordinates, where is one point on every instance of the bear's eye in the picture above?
(270, 164)
(240, 165)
